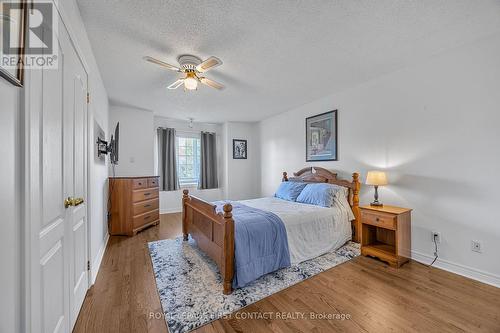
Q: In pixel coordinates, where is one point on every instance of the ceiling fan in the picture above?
(193, 69)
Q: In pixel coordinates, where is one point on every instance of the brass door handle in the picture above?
(78, 201)
(69, 201)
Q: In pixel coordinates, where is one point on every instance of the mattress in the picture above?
(311, 230)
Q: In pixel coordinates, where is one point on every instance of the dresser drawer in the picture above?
(386, 221)
(152, 182)
(141, 195)
(144, 206)
(139, 183)
(146, 218)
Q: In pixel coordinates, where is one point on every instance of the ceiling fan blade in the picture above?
(161, 63)
(212, 83)
(208, 64)
(176, 84)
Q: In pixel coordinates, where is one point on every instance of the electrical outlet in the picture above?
(436, 235)
(476, 246)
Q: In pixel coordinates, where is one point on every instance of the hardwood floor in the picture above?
(377, 298)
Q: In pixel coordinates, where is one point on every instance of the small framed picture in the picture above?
(240, 149)
(13, 17)
(321, 137)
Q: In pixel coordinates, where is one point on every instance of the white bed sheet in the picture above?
(311, 230)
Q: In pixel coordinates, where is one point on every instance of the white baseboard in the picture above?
(170, 210)
(452, 267)
(94, 269)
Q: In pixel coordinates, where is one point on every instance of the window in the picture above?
(188, 160)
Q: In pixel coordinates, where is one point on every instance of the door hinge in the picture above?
(88, 265)
(88, 98)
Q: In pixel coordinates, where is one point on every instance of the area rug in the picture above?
(190, 286)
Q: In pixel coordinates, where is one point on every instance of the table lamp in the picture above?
(376, 178)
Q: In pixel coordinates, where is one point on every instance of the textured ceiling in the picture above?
(277, 54)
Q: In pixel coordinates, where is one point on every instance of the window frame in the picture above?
(188, 182)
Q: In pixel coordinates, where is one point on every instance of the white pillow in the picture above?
(341, 199)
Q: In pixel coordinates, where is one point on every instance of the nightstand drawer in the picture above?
(381, 220)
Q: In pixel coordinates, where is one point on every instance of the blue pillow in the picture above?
(320, 194)
(289, 190)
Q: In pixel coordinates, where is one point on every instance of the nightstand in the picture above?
(386, 233)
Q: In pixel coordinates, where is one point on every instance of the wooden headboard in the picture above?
(321, 175)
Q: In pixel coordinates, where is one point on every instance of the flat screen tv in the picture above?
(114, 145)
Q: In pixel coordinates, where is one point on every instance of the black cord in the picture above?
(435, 252)
(111, 191)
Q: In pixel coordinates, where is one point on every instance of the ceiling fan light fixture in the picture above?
(191, 66)
(190, 83)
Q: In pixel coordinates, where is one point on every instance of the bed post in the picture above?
(355, 207)
(285, 177)
(228, 249)
(185, 198)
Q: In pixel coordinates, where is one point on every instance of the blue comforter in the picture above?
(260, 243)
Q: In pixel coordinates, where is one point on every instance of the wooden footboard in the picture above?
(213, 232)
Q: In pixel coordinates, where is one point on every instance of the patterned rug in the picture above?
(190, 286)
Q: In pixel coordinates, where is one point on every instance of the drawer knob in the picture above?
(146, 194)
(377, 219)
(146, 206)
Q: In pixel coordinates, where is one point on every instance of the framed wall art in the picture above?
(13, 17)
(321, 137)
(240, 149)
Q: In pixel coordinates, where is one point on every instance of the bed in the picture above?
(310, 230)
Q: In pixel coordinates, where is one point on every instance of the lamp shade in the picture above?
(376, 178)
(190, 83)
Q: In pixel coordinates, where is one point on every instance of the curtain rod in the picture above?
(187, 131)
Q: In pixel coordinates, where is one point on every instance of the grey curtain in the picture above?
(208, 165)
(167, 165)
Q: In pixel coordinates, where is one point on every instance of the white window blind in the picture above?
(188, 158)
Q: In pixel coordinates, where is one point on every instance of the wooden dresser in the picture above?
(386, 233)
(134, 204)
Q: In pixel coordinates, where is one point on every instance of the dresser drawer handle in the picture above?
(147, 217)
(377, 219)
(146, 206)
(139, 184)
(146, 194)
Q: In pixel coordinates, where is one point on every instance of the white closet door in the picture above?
(56, 164)
(75, 102)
